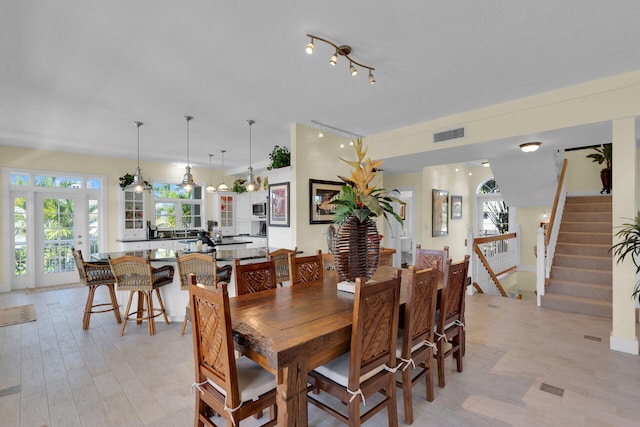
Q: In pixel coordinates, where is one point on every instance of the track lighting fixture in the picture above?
(210, 188)
(222, 187)
(138, 185)
(342, 50)
(187, 181)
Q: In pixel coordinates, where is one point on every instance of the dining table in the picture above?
(292, 330)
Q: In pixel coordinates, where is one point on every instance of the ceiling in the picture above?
(76, 74)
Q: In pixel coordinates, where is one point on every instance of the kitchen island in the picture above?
(175, 299)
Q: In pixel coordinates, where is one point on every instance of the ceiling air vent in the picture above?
(447, 135)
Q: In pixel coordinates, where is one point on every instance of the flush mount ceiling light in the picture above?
(138, 185)
(485, 164)
(250, 184)
(187, 181)
(210, 188)
(342, 50)
(222, 187)
(530, 147)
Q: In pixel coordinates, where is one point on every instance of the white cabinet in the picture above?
(243, 213)
(165, 244)
(224, 211)
(132, 214)
(134, 246)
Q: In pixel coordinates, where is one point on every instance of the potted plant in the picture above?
(629, 234)
(279, 157)
(357, 250)
(603, 155)
(238, 187)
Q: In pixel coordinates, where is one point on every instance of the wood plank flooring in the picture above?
(52, 373)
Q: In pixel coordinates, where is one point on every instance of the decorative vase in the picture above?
(357, 251)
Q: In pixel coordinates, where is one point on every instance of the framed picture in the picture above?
(440, 213)
(456, 207)
(320, 194)
(279, 205)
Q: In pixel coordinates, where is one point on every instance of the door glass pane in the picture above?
(58, 235)
(20, 235)
(94, 227)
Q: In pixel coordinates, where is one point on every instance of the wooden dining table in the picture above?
(291, 330)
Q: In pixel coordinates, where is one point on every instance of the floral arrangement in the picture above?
(359, 196)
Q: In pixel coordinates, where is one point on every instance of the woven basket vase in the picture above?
(357, 250)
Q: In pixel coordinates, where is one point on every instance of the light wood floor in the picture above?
(52, 373)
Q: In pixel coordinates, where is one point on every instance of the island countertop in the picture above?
(169, 255)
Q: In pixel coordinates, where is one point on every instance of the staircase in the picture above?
(580, 279)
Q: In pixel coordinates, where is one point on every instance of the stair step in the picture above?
(587, 207)
(581, 261)
(581, 275)
(574, 304)
(586, 227)
(583, 249)
(588, 238)
(580, 289)
(589, 199)
(590, 217)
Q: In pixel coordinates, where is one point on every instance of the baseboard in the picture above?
(624, 345)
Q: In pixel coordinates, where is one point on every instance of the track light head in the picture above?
(334, 58)
(353, 70)
(310, 47)
(372, 80)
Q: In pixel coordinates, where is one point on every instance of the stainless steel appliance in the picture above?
(259, 209)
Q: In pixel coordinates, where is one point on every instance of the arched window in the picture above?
(493, 212)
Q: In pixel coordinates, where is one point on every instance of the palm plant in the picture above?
(629, 235)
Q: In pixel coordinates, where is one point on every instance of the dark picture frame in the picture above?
(456, 207)
(440, 213)
(320, 193)
(279, 205)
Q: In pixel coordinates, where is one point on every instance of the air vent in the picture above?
(448, 135)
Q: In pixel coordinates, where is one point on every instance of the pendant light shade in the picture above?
(138, 185)
(187, 181)
(250, 184)
(222, 187)
(210, 188)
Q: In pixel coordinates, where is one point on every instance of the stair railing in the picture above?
(493, 257)
(546, 242)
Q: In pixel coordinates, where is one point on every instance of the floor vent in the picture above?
(447, 135)
(592, 338)
(494, 306)
(552, 389)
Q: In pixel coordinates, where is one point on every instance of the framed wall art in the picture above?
(279, 205)
(320, 194)
(456, 207)
(440, 213)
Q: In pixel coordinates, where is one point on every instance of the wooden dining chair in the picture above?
(136, 275)
(306, 268)
(449, 334)
(232, 388)
(431, 258)
(94, 275)
(255, 277)
(415, 342)
(207, 273)
(280, 258)
(369, 367)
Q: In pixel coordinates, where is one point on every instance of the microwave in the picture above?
(259, 209)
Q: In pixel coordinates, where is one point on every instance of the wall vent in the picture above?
(447, 135)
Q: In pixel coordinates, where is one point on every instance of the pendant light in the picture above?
(187, 181)
(210, 188)
(138, 185)
(250, 183)
(222, 187)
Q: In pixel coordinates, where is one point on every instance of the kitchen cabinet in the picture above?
(141, 245)
(243, 213)
(224, 211)
(133, 217)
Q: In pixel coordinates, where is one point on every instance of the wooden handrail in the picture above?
(484, 262)
(495, 238)
(555, 202)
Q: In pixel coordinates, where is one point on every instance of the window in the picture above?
(494, 212)
(176, 208)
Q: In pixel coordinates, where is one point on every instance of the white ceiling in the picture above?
(75, 74)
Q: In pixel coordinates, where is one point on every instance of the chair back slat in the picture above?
(419, 313)
(255, 277)
(431, 258)
(375, 327)
(213, 339)
(306, 269)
